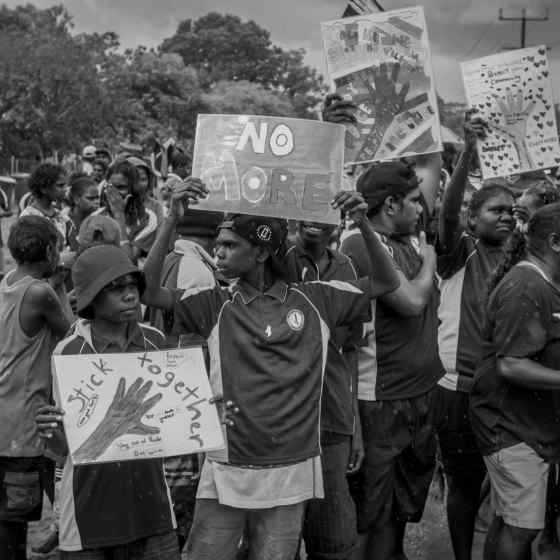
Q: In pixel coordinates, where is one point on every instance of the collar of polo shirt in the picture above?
(249, 293)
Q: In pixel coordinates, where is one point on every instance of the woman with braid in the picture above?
(467, 254)
(516, 390)
(532, 198)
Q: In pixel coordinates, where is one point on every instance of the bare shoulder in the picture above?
(41, 295)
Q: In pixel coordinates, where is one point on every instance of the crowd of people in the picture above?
(344, 360)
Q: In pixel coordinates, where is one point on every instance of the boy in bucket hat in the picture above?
(267, 343)
(115, 509)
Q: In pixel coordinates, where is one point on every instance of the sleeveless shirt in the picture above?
(25, 373)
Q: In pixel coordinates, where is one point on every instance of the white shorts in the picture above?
(519, 478)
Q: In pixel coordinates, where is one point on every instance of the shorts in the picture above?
(459, 452)
(518, 477)
(400, 453)
(23, 480)
(156, 547)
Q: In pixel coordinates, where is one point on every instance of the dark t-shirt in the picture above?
(399, 359)
(337, 414)
(464, 276)
(523, 321)
(268, 352)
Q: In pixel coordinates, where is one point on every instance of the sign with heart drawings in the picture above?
(120, 407)
(269, 166)
(512, 91)
(382, 62)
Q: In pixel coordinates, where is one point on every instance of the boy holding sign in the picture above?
(267, 343)
(120, 509)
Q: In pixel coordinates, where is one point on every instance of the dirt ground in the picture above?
(428, 540)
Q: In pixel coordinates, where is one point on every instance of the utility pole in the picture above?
(523, 19)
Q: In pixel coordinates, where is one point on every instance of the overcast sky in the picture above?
(459, 29)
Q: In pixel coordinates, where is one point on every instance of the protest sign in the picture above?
(269, 166)
(382, 62)
(120, 407)
(512, 92)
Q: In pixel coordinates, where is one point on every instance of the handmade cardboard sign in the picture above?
(382, 63)
(121, 407)
(269, 166)
(513, 93)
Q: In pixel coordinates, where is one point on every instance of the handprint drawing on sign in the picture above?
(514, 127)
(379, 100)
(124, 416)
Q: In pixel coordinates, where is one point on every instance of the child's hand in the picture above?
(226, 410)
(351, 203)
(115, 201)
(48, 420)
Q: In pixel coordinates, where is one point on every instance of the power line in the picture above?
(523, 19)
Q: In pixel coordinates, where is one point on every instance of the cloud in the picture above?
(458, 29)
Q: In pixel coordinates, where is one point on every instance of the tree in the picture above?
(150, 94)
(244, 97)
(49, 94)
(222, 47)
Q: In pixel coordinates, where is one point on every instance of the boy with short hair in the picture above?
(32, 320)
(267, 342)
(399, 365)
(115, 509)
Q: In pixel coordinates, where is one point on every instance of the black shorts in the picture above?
(400, 452)
(23, 480)
(459, 452)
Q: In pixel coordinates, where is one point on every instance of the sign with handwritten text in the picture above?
(382, 62)
(269, 166)
(122, 407)
(512, 91)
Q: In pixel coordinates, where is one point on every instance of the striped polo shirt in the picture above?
(111, 504)
(268, 354)
(464, 276)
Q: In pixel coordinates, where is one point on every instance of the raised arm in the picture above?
(182, 195)
(449, 215)
(384, 277)
(412, 296)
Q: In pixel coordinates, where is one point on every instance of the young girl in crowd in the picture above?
(47, 187)
(124, 199)
(83, 200)
(515, 396)
(467, 254)
(32, 319)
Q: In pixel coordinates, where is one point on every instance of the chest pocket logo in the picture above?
(295, 319)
